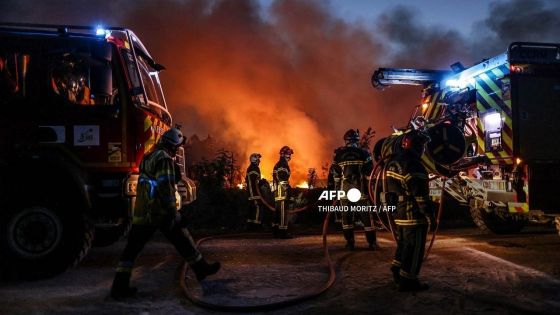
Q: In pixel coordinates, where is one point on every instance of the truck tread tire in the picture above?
(495, 223)
(74, 238)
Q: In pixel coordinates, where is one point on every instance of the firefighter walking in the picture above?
(281, 177)
(351, 168)
(252, 179)
(407, 188)
(155, 209)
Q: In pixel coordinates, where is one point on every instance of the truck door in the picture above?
(82, 100)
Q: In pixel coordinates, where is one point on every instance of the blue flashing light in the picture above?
(460, 83)
(100, 31)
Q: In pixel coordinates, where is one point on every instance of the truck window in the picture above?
(77, 76)
(14, 68)
(151, 83)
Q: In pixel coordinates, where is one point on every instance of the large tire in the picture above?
(499, 223)
(44, 225)
(106, 235)
(42, 241)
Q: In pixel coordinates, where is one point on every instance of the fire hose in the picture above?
(440, 211)
(266, 306)
(373, 197)
(273, 209)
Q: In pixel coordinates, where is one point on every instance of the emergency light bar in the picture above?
(465, 78)
(62, 29)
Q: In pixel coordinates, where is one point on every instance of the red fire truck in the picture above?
(80, 107)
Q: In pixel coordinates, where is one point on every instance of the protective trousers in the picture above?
(254, 211)
(348, 218)
(281, 199)
(140, 235)
(410, 250)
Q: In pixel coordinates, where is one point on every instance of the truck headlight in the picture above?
(130, 185)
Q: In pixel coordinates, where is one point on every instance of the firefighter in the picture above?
(68, 79)
(281, 177)
(351, 168)
(155, 209)
(407, 188)
(252, 179)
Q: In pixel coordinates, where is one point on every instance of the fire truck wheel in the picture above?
(106, 235)
(42, 241)
(495, 222)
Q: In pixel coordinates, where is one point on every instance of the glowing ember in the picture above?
(240, 186)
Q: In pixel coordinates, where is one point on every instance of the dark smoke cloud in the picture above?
(417, 45)
(516, 20)
(300, 77)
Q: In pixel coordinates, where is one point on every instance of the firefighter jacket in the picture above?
(252, 180)
(350, 168)
(407, 187)
(281, 177)
(155, 193)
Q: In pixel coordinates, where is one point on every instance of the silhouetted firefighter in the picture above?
(350, 168)
(252, 179)
(407, 188)
(156, 208)
(281, 177)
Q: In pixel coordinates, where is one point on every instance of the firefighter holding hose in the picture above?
(281, 177)
(407, 188)
(155, 209)
(350, 168)
(252, 179)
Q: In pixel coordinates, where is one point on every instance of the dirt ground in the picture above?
(468, 271)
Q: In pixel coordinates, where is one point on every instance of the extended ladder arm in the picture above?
(383, 77)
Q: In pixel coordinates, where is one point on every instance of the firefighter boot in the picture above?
(411, 285)
(349, 236)
(203, 269)
(371, 238)
(121, 288)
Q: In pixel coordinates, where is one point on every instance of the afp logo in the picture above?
(353, 195)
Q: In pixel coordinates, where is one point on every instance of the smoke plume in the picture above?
(299, 76)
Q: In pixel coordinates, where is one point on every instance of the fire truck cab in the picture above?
(80, 107)
(493, 127)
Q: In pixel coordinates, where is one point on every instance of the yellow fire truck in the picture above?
(80, 107)
(493, 128)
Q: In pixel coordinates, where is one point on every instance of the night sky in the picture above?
(262, 74)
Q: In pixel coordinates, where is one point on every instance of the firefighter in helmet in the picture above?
(407, 188)
(69, 79)
(350, 169)
(281, 177)
(252, 179)
(156, 208)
